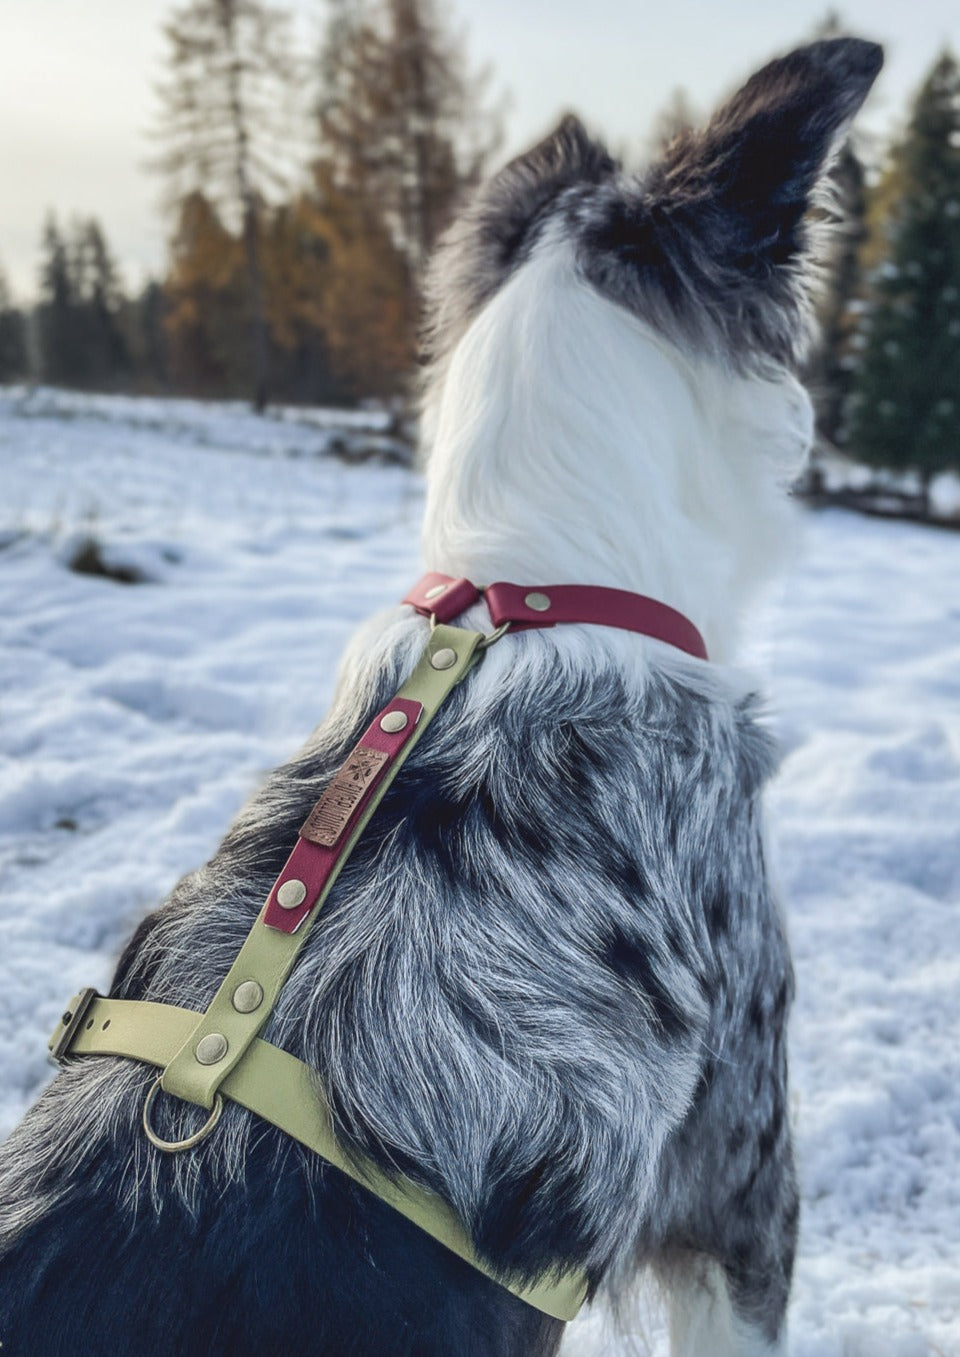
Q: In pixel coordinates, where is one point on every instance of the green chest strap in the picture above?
(206, 1057)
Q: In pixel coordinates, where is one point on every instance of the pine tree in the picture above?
(13, 336)
(830, 371)
(99, 293)
(227, 121)
(59, 324)
(907, 398)
(146, 323)
(79, 316)
(830, 368)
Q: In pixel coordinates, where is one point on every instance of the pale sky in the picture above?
(77, 76)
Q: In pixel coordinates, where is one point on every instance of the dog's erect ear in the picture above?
(756, 166)
(710, 243)
(497, 228)
(513, 201)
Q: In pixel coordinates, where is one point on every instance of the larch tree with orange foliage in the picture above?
(403, 131)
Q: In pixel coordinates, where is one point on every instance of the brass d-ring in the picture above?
(171, 1146)
(492, 637)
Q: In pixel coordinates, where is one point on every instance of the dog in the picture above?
(551, 984)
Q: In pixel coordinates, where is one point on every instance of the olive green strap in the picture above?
(285, 1091)
(241, 1006)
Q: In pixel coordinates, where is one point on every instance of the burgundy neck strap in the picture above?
(523, 607)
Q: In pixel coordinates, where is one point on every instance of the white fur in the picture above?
(570, 443)
(702, 1320)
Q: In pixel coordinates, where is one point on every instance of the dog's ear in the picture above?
(712, 242)
(496, 229)
(750, 176)
(511, 203)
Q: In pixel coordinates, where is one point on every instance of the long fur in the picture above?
(552, 982)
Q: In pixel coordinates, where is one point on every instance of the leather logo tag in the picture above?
(329, 817)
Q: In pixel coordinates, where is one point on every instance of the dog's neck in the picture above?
(569, 443)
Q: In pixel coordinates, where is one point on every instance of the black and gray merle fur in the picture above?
(552, 982)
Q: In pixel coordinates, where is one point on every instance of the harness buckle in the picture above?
(69, 1024)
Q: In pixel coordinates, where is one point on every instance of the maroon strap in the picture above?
(443, 596)
(552, 603)
(334, 817)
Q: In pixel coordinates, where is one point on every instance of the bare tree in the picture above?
(228, 122)
(403, 122)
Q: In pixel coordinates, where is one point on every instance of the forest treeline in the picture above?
(305, 191)
(302, 193)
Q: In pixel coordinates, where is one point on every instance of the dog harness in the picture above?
(206, 1057)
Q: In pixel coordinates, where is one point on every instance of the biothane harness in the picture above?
(206, 1057)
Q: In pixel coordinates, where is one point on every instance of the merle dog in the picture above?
(552, 982)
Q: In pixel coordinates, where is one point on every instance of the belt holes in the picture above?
(89, 1023)
(105, 1025)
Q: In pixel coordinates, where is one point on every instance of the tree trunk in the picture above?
(251, 239)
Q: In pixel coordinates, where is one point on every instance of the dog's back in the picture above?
(526, 980)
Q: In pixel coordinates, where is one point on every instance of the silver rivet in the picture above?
(436, 591)
(538, 602)
(247, 997)
(393, 722)
(291, 894)
(444, 659)
(211, 1048)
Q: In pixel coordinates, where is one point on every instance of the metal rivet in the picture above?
(538, 602)
(444, 659)
(291, 894)
(436, 591)
(211, 1048)
(393, 722)
(247, 997)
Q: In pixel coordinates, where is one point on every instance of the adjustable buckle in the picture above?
(69, 1025)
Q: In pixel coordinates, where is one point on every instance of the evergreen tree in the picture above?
(227, 123)
(830, 371)
(58, 313)
(13, 336)
(81, 303)
(97, 287)
(145, 322)
(907, 399)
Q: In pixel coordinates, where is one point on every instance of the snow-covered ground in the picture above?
(134, 719)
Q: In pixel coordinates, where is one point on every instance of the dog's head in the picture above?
(612, 395)
(712, 244)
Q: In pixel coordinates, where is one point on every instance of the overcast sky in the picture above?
(77, 76)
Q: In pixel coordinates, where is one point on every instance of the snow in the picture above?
(137, 717)
(945, 492)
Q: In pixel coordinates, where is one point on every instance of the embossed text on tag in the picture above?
(329, 817)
